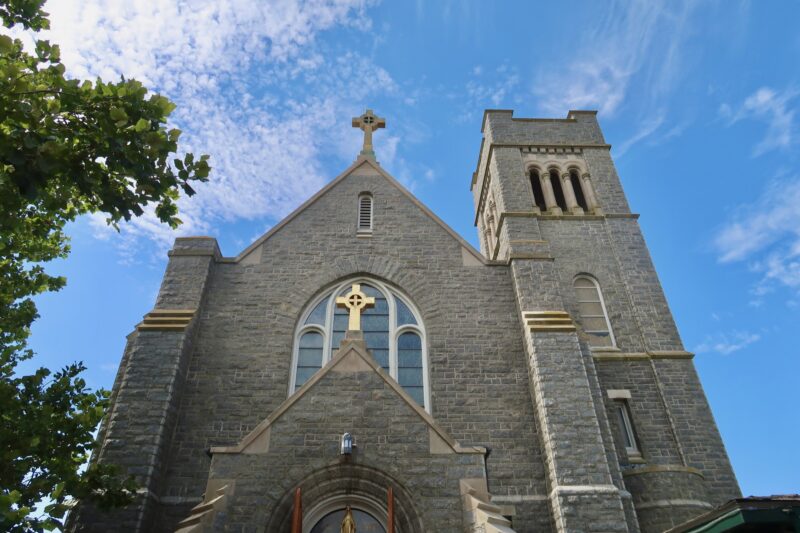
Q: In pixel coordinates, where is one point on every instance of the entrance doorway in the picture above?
(332, 522)
(326, 516)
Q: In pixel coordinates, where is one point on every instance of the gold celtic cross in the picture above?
(356, 301)
(368, 122)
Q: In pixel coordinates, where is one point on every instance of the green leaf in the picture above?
(163, 104)
(68, 147)
(142, 125)
(118, 115)
(57, 490)
(6, 44)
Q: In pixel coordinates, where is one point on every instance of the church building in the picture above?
(361, 367)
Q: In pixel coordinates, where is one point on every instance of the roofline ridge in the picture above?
(360, 161)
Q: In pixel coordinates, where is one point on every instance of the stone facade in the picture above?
(520, 423)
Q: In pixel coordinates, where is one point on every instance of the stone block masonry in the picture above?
(520, 421)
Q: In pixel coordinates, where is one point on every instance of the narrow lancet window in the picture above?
(558, 191)
(365, 213)
(309, 357)
(626, 428)
(538, 193)
(576, 186)
(409, 366)
(594, 317)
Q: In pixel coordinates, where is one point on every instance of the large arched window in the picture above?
(392, 328)
(592, 308)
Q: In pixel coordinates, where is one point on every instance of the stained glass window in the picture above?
(309, 357)
(401, 355)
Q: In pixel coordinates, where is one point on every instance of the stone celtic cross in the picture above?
(356, 301)
(368, 122)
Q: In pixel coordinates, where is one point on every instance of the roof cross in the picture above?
(368, 122)
(356, 302)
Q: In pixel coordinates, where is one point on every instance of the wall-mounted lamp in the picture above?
(347, 444)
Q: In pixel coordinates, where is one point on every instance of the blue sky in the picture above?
(700, 100)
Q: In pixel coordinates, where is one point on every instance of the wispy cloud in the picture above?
(487, 89)
(645, 130)
(252, 83)
(774, 108)
(639, 39)
(769, 237)
(727, 343)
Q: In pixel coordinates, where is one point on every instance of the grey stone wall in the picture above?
(393, 447)
(138, 431)
(239, 372)
(538, 400)
(673, 423)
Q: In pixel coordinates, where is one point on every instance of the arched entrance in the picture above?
(332, 522)
(328, 491)
(369, 514)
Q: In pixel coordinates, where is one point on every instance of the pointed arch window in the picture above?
(393, 332)
(592, 308)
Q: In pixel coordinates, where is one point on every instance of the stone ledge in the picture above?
(584, 489)
(166, 320)
(547, 216)
(674, 503)
(192, 253)
(662, 468)
(534, 257)
(614, 355)
(548, 321)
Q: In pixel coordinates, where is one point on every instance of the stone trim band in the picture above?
(548, 321)
(166, 320)
(662, 468)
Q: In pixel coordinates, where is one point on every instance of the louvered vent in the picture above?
(365, 213)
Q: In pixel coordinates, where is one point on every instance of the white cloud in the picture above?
(639, 38)
(727, 343)
(495, 90)
(773, 217)
(254, 90)
(769, 237)
(772, 107)
(645, 130)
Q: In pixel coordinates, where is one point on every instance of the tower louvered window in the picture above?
(365, 213)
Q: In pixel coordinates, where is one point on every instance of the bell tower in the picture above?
(615, 394)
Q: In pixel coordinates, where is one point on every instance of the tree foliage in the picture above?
(67, 147)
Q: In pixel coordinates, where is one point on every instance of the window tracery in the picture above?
(392, 329)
